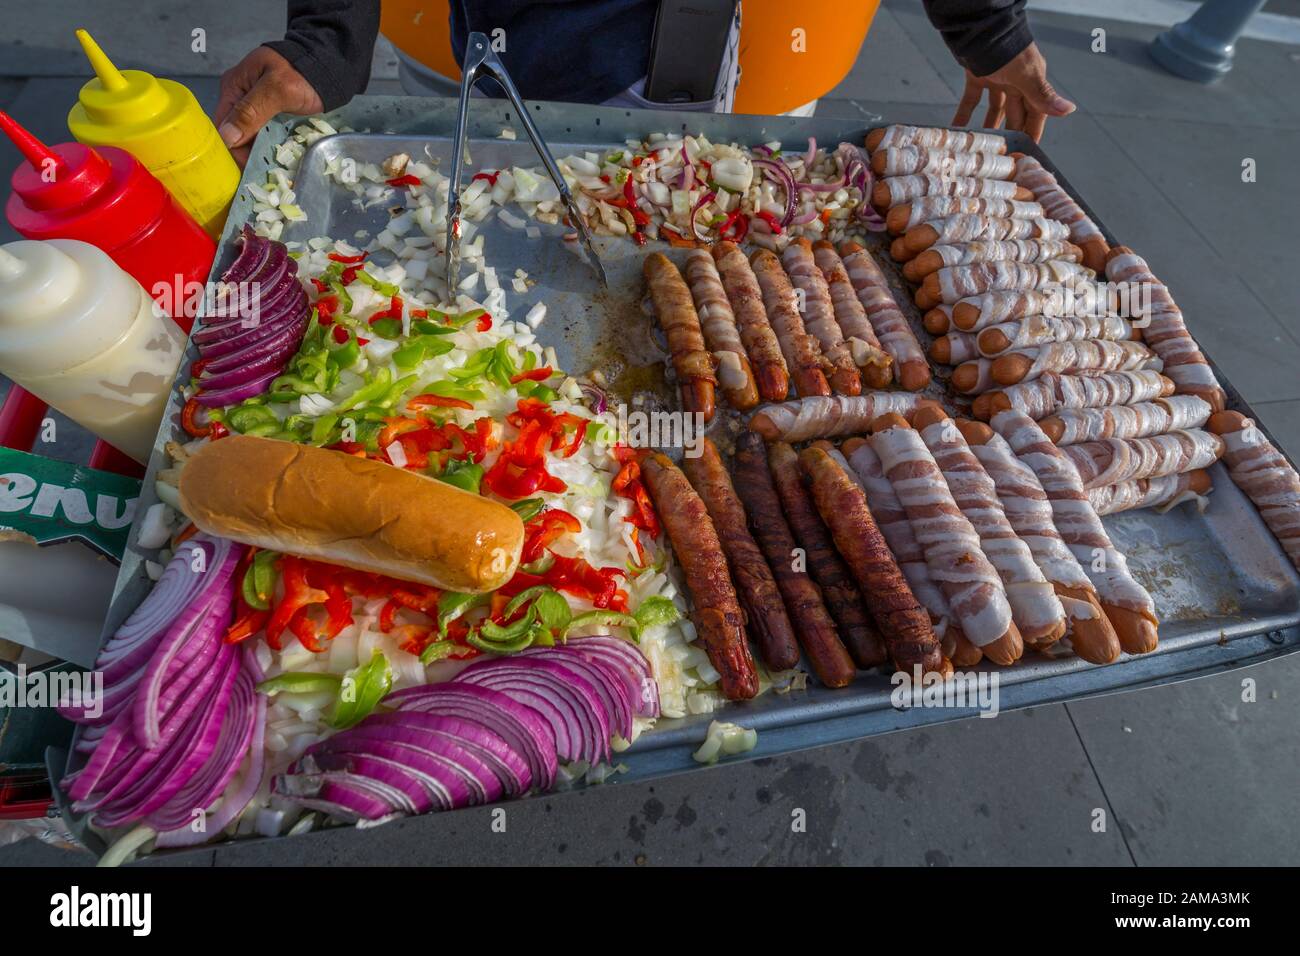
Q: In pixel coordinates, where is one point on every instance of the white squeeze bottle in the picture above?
(85, 337)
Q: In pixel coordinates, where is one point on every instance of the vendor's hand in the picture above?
(1019, 94)
(253, 91)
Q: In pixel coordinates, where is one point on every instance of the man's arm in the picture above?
(983, 35)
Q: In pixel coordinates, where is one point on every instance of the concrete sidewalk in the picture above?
(1186, 774)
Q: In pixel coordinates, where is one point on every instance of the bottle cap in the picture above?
(54, 177)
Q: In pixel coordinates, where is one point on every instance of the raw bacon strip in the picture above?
(718, 323)
(803, 356)
(894, 190)
(756, 332)
(1166, 332)
(676, 314)
(911, 370)
(1070, 426)
(1042, 396)
(1035, 330)
(819, 316)
(907, 216)
(1127, 603)
(1113, 460)
(1034, 605)
(1024, 365)
(1162, 493)
(1031, 174)
(951, 284)
(934, 138)
(876, 364)
(828, 416)
(952, 547)
(909, 160)
(1263, 473)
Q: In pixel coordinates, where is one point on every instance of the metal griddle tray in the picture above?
(1226, 594)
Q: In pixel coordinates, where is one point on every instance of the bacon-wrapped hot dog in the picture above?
(894, 190)
(989, 250)
(1070, 426)
(951, 284)
(970, 228)
(906, 216)
(718, 323)
(676, 313)
(1166, 332)
(828, 416)
(993, 308)
(819, 316)
(1064, 357)
(952, 548)
(868, 354)
(746, 298)
(954, 348)
(1042, 396)
(1160, 493)
(755, 586)
(718, 616)
(1031, 174)
(1257, 467)
(1035, 330)
(932, 137)
(828, 570)
(803, 356)
(1030, 512)
(909, 160)
(803, 601)
(911, 370)
(1112, 460)
(904, 624)
(938, 320)
(1126, 603)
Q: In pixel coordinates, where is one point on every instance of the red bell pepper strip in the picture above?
(341, 335)
(533, 375)
(320, 284)
(484, 322)
(246, 625)
(394, 311)
(298, 594)
(490, 177)
(407, 180)
(440, 401)
(544, 529)
(771, 220)
(189, 415)
(347, 260)
(326, 306)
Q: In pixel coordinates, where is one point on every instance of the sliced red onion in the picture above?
(484, 784)
(607, 682)
(270, 363)
(596, 399)
(282, 344)
(417, 795)
(780, 172)
(700, 204)
(252, 337)
(615, 650)
(237, 393)
(253, 250)
(810, 156)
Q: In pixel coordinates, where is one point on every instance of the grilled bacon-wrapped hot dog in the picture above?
(903, 623)
(819, 316)
(1031, 174)
(951, 284)
(969, 228)
(911, 370)
(827, 416)
(910, 160)
(832, 576)
(1070, 426)
(676, 314)
(1161, 493)
(1042, 396)
(803, 356)
(718, 323)
(1112, 460)
(875, 363)
(1028, 509)
(803, 600)
(1126, 603)
(989, 250)
(1257, 467)
(718, 616)
(932, 137)
(894, 190)
(1035, 330)
(906, 216)
(756, 333)
(1064, 357)
(754, 583)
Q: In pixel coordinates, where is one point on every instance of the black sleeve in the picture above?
(331, 42)
(983, 35)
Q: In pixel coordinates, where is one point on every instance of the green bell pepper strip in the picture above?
(448, 389)
(528, 508)
(259, 580)
(322, 429)
(293, 683)
(509, 646)
(604, 619)
(397, 390)
(387, 328)
(345, 300)
(245, 416)
(656, 610)
(361, 690)
(452, 605)
(437, 651)
(462, 474)
(498, 633)
(549, 607)
(346, 355)
(367, 393)
(545, 393)
(383, 288)
(429, 327)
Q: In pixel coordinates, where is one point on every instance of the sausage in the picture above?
(1159, 493)
(1089, 355)
(905, 216)
(827, 416)
(754, 583)
(966, 228)
(1057, 202)
(803, 356)
(903, 623)
(868, 354)
(922, 160)
(989, 250)
(838, 591)
(954, 348)
(676, 313)
(1112, 460)
(718, 323)
(938, 320)
(894, 190)
(1035, 330)
(911, 370)
(1040, 397)
(818, 312)
(934, 137)
(814, 627)
(951, 284)
(756, 333)
(718, 617)
(1257, 467)
(1070, 426)
(992, 308)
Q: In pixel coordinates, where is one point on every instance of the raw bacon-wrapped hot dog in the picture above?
(1063, 357)
(718, 616)
(911, 370)
(813, 625)
(951, 284)
(909, 160)
(989, 250)
(970, 228)
(828, 570)
(819, 316)
(756, 332)
(1036, 330)
(676, 313)
(1161, 493)
(1126, 603)
(908, 215)
(828, 417)
(1042, 396)
(718, 323)
(1031, 174)
(868, 354)
(1263, 473)
(755, 586)
(938, 320)
(993, 308)
(1070, 426)
(952, 547)
(903, 623)
(803, 356)
(894, 190)
(1035, 607)
(1112, 460)
(1030, 513)
(934, 138)
(1166, 332)
(954, 348)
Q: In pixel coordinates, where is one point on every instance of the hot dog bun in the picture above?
(352, 511)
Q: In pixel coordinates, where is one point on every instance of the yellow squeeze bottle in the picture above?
(161, 123)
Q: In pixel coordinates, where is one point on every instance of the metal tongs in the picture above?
(481, 60)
